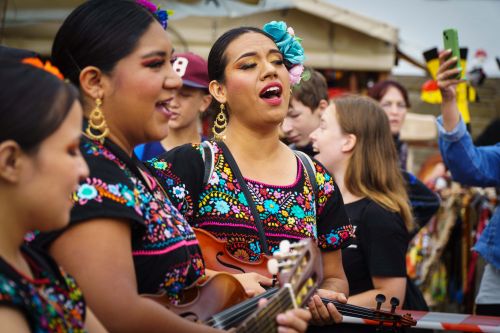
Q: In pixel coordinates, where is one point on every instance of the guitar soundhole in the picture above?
(228, 265)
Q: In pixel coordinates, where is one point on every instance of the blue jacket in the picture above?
(477, 166)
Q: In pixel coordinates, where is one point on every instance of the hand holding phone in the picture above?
(450, 41)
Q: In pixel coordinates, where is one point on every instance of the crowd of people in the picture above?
(106, 176)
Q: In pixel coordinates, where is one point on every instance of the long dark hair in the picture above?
(99, 33)
(33, 104)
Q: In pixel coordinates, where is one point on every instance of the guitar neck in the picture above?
(263, 320)
(362, 312)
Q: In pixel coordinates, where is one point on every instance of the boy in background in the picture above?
(308, 100)
(189, 102)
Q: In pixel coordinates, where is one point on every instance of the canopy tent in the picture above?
(332, 37)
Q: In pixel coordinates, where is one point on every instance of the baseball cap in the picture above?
(193, 70)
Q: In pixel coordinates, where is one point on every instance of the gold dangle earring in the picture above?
(97, 128)
(220, 125)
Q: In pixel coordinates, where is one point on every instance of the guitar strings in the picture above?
(227, 319)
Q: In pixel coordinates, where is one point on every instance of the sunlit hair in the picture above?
(373, 170)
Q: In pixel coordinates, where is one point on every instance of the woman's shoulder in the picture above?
(49, 283)
(379, 217)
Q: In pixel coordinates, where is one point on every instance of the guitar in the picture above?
(217, 257)
(300, 275)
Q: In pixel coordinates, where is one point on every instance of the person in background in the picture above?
(258, 192)
(40, 165)
(308, 100)
(393, 98)
(188, 103)
(125, 238)
(354, 142)
(476, 166)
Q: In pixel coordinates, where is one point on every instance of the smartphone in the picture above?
(450, 41)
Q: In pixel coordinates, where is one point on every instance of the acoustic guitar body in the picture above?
(218, 258)
(205, 298)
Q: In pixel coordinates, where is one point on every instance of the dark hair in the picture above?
(217, 60)
(33, 104)
(15, 54)
(311, 92)
(99, 33)
(380, 89)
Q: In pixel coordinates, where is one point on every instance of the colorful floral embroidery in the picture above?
(166, 230)
(49, 305)
(287, 212)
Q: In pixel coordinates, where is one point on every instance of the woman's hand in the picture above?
(447, 85)
(291, 321)
(325, 314)
(253, 283)
(446, 74)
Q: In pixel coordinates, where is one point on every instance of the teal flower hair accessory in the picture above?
(290, 46)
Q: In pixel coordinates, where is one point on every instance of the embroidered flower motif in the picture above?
(179, 192)
(332, 239)
(160, 165)
(242, 254)
(242, 198)
(271, 206)
(320, 178)
(222, 206)
(114, 189)
(298, 211)
(214, 179)
(87, 192)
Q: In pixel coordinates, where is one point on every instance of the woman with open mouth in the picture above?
(246, 187)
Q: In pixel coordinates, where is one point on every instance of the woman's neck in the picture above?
(178, 137)
(339, 175)
(12, 236)
(253, 144)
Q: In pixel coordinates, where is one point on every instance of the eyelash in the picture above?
(155, 63)
(252, 65)
(247, 66)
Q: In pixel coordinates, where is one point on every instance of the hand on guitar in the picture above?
(291, 321)
(253, 283)
(325, 314)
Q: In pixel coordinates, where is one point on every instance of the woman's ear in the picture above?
(218, 91)
(11, 157)
(91, 82)
(349, 142)
(323, 104)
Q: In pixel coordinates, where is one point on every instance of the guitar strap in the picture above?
(244, 187)
(309, 166)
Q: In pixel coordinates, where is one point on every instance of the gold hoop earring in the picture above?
(97, 128)
(220, 125)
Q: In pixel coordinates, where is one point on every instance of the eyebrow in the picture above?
(155, 53)
(251, 54)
